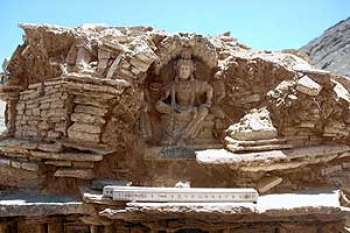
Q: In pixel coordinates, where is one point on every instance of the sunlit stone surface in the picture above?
(153, 194)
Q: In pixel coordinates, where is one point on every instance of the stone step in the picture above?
(256, 142)
(68, 156)
(235, 148)
(85, 174)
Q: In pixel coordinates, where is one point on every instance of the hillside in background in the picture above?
(331, 51)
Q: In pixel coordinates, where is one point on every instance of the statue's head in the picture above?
(185, 66)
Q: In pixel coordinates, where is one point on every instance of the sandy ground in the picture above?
(2, 120)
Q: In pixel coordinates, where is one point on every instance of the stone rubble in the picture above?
(307, 86)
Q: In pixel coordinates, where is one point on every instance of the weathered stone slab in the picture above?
(14, 150)
(272, 160)
(90, 110)
(95, 88)
(85, 128)
(93, 94)
(87, 118)
(79, 77)
(15, 204)
(59, 163)
(30, 166)
(235, 148)
(285, 165)
(87, 174)
(69, 156)
(308, 86)
(12, 155)
(52, 147)
(20, 144)
(267, 183)
(257, 142)
(88, 146)
(82, 164)
(88, 101)
(82, 136)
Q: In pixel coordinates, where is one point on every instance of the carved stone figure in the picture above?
(185, 104)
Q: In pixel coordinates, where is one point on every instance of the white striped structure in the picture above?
(160, 194)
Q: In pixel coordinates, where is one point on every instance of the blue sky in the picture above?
(261, 24)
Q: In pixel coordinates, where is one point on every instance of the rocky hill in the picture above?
(331, 51)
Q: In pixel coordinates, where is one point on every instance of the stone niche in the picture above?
(182, 96)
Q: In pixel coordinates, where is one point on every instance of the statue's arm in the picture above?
(164, 107)
(209, 95)
(221, 93)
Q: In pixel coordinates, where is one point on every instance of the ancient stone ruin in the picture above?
(132, 129)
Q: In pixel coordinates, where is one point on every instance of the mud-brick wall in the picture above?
(41, 111)
(90, 106)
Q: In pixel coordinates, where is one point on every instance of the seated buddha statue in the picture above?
(184, 105)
